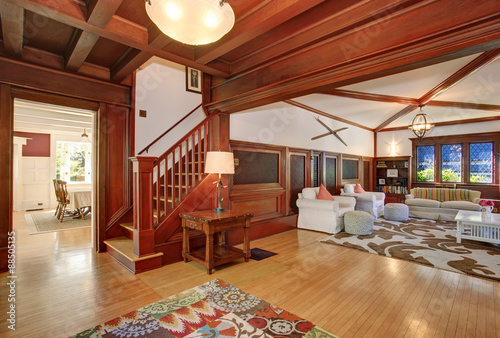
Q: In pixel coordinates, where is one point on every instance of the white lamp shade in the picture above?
(219, 162)
(193, 22)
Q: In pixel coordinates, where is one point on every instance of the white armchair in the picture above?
(322, 215)
(371, 202)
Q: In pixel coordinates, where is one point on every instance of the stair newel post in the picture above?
(143, 205)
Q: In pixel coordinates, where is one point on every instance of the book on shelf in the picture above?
(393, 189)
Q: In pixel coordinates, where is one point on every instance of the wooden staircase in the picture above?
(163, 187)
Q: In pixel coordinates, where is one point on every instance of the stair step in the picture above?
(128, 229)
(122, 249)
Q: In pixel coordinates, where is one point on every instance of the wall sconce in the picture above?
(393, 149)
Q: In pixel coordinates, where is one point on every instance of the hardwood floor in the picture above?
(63, 287)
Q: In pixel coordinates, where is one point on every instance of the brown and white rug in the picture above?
(427, 242)
(46, 221)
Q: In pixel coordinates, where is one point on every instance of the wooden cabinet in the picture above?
(392, 176)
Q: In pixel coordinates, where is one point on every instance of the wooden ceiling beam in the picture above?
(134, 58)
(350, 59)
(322, 113)
(372, 97)
(12, 18)
(99, 13)
(331, 20)
(269, 15)
(464, 105)
(118, 29)
(463, 73)
(452, 80)
(450, 123)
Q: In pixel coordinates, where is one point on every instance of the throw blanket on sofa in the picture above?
(443, 195)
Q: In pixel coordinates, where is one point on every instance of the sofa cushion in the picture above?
(422, 202)
(443, 194)
(461, 205)
(309, 193)
(349, 188)
(324, 194)
(358, 189)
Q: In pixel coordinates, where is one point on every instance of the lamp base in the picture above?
(219, 209)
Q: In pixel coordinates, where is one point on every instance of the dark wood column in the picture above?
(6, 149)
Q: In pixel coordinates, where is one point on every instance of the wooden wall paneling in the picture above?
(331, 173)
(118, 175)
(57, 82)
(6, 162)
(101, 141)
(298, 177)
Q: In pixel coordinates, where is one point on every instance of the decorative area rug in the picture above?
(214, 309)
(259, 254)
(427, 242)
(42, 222)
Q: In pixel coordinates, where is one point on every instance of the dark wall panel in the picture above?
(297, 179)
(256, 167)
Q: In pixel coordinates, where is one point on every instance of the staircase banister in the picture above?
(182, 140)
(169, 129)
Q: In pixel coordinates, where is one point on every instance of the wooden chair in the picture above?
(63, 195)
(58, 199)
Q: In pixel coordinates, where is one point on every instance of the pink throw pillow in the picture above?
(358, 189)
(324, 194)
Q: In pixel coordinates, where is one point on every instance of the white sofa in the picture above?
(441, 203)
(371, 202)
(322, 215)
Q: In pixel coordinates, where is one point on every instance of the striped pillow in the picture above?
(443, 195)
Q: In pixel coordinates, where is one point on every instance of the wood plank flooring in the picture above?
(63, 287)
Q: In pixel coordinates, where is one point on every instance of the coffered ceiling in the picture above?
(281, 50)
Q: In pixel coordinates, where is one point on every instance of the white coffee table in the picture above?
(470, 225)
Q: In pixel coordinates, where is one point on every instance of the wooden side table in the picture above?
(211, 222)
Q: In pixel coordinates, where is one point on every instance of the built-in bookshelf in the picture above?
(393, 177)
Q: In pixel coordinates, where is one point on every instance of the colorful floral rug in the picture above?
(427, 242)
(213, 309)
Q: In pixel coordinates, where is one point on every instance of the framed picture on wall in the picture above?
(193, 80)
(392, 172)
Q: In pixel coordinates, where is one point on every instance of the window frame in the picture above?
(464, 141)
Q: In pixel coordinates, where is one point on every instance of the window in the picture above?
(451, 163)
(74, 162)
(464, 159)
(425, 163)
(481, 162)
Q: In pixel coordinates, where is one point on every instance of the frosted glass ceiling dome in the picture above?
(193, 22)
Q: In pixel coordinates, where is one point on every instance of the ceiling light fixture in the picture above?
(421, 124)
(193, 22)
(85, 137)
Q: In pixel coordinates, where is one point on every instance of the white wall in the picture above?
(161, 91)
(401, 138)
(286, 125)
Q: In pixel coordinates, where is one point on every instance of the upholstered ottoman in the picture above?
(358, 223)
(396, 212)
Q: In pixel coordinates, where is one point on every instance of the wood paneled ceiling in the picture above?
(277, 50)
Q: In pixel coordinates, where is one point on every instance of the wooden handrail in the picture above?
(162, 156)
(169, 129)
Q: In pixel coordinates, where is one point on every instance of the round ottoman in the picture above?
(396, 212)
(358, 223)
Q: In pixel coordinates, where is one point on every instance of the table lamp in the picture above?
(219, 162)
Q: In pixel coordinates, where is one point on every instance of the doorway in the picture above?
(53, 142)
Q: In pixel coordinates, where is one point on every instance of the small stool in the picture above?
(396, 212)
(358, 223)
